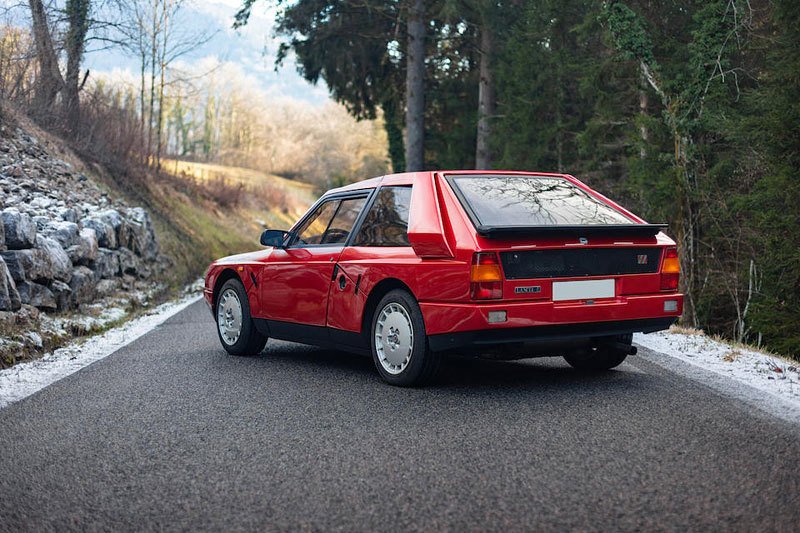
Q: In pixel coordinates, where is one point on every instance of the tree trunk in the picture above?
(486, 100)
(163, 68)
(644, 103)
(394, 133)
(143, 100)
(415, 87)
(77, 12)
(686, 230)
(156, 29)
(50, 81)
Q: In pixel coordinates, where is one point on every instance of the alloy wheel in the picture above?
(394, 338)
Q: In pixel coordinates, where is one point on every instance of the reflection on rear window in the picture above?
(504, 201)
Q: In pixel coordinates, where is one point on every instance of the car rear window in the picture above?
(386, 223)
(508, 201)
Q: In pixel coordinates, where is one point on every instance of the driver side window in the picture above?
(314, 228)
(331, 223)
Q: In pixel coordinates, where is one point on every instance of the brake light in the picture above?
(670, 270)
(486, 277)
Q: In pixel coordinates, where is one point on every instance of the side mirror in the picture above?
(274, 238)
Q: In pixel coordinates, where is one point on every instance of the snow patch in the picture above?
(778, 377)
(24, 379)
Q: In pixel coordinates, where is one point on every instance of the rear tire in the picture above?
(399, 344)
(235, 328)
(601, 357)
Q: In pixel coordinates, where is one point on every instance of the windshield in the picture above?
(506, 201)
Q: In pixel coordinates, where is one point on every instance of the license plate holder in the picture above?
(589, 289)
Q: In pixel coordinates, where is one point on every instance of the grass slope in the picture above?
(193, 223)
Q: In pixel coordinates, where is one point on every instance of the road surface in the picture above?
(170, 433)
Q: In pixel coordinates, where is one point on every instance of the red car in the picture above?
(408, 266)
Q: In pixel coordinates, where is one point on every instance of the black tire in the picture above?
(605, 356)
(423, 363)
(250, 340)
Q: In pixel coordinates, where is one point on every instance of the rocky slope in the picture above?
(64, 243)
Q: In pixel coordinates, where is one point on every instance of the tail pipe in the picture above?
(628, 349)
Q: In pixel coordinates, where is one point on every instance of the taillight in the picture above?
(486, 277)
(670, 270)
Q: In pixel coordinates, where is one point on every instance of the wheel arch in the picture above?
(380, 290)
(225, 275)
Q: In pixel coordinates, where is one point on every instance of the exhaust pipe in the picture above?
(628, 349)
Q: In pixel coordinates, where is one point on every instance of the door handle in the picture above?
(342, 282)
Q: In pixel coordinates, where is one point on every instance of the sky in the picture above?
(253, 48)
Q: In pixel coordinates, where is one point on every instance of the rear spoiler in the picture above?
(610, 230)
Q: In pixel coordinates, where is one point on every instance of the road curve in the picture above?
(170, 433)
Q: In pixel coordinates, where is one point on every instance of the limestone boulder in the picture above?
(19, 229)
(107, 263)
(9, 296)
(65, 233)
(82, 284)
(140, 236)
(106, 236)
(21, 264)
(85, 251)
(62, 294)
(128, 262)
(37, 295)
(53, 261)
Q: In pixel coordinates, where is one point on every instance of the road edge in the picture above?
(766, 402)
(24, 379)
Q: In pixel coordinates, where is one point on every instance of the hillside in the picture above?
(277, 202)
(82, 248)
(204, 211)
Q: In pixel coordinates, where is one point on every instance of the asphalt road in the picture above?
(170, 433)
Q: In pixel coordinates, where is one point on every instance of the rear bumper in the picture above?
(546, 334)
(457, 325)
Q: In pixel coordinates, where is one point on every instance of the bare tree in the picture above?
(154, 37)
(415, 87)
(50, 80)
(77, 12)
(487, 103)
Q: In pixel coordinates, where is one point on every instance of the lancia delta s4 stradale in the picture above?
(409, 266)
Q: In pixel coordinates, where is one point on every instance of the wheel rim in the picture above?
(229, 317)
(394, 338)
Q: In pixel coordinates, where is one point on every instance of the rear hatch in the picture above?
(556, 239)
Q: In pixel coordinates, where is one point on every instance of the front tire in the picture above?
(398, 342)
(604, 356)
(235, 327)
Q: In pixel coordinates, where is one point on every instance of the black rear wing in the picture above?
(596, 230)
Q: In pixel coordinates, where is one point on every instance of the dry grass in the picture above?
(686, 331)
(736, 348)
(225, 192)
(731, 356)
(247, 176)
(271, 199)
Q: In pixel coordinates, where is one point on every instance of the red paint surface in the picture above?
(297, 284)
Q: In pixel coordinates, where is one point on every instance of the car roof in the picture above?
(409, 178)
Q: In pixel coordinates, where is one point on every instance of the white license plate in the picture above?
(583, 290)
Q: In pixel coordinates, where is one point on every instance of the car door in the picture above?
(380, 242)
(295, 282)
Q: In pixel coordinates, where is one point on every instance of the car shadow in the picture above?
(457, 371)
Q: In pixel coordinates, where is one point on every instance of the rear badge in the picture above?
(641, 259)
(583, 240)
(527, 290)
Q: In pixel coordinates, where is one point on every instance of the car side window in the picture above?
(386, 223)
(343, 221)
(313, 230)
